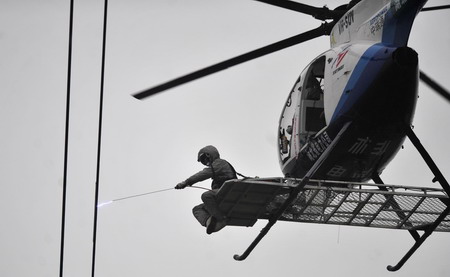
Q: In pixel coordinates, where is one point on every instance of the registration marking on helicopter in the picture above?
(346, 21)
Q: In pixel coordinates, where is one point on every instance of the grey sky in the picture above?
(152, 144)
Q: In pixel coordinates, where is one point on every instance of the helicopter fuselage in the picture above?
(369, 78)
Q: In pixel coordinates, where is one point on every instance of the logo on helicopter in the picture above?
(337, 62)
(340, 57)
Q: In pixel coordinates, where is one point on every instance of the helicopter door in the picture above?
(288, 126)
(303, 114)
(312, 113)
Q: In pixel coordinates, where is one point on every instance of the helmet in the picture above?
(207, 155)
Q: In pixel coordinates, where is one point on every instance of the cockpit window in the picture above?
(288, 123)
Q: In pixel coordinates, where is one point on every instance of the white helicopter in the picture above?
(345, 119)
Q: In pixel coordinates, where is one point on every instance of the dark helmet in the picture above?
(207, 155)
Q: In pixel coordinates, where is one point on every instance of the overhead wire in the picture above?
(66, 142)
(100, 123)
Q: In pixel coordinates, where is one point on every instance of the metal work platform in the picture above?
(331, 202)
(342, 203)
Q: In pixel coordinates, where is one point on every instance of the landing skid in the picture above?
(446, 187)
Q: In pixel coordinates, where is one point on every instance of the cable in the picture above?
(196, 187)
(100, 123)
(142, 194)
(66, 142)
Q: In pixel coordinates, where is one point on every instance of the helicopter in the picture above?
(345, 118)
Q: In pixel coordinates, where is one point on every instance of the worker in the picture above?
(219, 170)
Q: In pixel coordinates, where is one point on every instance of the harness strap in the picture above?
(220, 181)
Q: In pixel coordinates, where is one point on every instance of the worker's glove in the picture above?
(181, 185)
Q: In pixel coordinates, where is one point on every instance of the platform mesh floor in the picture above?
(398, 207)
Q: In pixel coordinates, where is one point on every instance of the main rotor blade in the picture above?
(438, 88)
(319, 13)
(324, 29)
(436, 8)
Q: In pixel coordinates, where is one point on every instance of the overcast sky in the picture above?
(151, 145)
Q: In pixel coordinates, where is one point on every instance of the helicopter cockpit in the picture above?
(303, 115)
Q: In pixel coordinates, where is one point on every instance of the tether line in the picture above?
(66, 142)
(100, 123)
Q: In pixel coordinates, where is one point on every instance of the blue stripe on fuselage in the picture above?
(362, 77)
(396, 29)
(398, 22)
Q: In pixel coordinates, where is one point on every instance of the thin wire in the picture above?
(142, 194)
(66, 143)
(100, 123)
(199, 187)
(151, 192)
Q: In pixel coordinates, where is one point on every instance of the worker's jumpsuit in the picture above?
(219, 171)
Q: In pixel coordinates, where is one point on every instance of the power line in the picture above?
(100, 123)
(66, 142)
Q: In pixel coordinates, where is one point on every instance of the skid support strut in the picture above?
(292, 195)
(419, 242)
(438, 177)
(376, 178)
